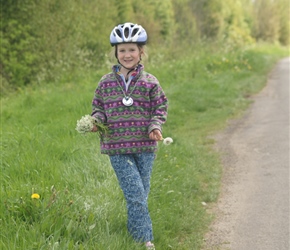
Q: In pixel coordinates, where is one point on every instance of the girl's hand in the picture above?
(94, 129)
(155, 135)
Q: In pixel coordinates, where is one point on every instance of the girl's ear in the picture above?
(141, 50)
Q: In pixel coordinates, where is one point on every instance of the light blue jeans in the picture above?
(133, 172)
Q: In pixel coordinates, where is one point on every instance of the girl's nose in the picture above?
(127, 54)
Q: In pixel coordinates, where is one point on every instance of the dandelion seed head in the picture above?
(167, 141)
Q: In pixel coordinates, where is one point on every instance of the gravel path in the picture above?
(253, 209)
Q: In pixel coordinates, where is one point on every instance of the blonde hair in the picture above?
(144, 50)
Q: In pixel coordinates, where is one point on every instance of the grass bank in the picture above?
(80, 204)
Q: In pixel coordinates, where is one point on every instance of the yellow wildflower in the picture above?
(35, 196)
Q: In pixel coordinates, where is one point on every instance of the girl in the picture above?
(133, 105)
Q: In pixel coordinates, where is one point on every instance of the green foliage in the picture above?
(237, 30)
(185, 23)
(17, 58)
(212, 23)
(284, 22)
(271, 21)
(223, 20)
(74, 36)
(164, 15)
(267, 22)
(124, 11)
(49, 40)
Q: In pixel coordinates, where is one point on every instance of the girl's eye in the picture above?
(128, 50)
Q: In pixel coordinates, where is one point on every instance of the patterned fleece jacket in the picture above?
(129, 126)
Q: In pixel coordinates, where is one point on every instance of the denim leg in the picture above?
(144, 164)
(133, 172)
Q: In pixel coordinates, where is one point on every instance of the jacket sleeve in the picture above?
(98, 111)
(159, 105)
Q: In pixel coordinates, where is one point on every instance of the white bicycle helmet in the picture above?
(128, 33)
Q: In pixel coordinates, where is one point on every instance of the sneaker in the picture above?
(149, 246)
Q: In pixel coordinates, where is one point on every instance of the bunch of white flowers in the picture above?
(167, 141)
(85, 124)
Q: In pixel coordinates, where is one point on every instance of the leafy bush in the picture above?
(18, 60)
(46, 41)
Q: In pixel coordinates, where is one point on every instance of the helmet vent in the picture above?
(134, 32)
(118, 32)
(126, 32)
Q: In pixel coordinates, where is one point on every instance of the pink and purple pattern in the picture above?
(129, 127)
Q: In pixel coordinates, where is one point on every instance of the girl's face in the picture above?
(128, 54)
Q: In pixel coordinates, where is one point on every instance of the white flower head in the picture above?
(85, 124)
(167, 141)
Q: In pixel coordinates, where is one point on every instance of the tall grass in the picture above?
(81, 205)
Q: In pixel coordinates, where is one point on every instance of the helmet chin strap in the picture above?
(129, 69)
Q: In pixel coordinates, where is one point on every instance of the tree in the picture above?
(17, 57)
(266, 23)
(284, 21)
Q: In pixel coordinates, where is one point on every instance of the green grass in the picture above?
(81, 205)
